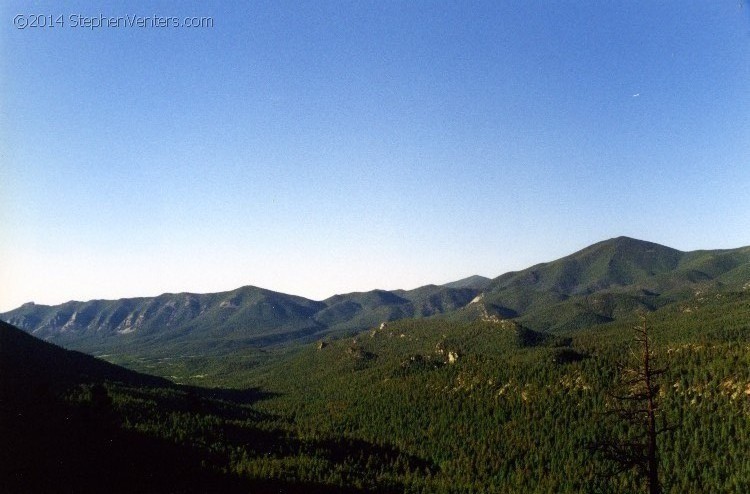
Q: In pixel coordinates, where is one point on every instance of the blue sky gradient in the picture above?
(325, 147)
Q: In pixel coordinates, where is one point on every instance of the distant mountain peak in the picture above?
(593, 285)
(476, 281)
(629, 242)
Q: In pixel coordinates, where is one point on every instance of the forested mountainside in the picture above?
(598, 284)
(422, 405)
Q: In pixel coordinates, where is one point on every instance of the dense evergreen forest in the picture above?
(428, 405)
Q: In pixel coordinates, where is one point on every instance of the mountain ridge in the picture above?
(596, 284)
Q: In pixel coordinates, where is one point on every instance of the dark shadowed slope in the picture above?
(53, 444)
(72, 424)
(25, 360)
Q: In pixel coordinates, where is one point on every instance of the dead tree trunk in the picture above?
(651, 390)
(637, 403)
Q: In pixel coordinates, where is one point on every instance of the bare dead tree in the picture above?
(636, 403)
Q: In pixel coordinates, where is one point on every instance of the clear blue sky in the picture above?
(324, 147)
